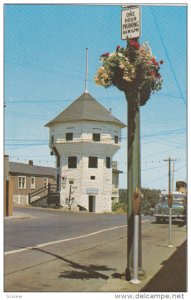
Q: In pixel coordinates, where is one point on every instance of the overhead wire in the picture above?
(167, 55)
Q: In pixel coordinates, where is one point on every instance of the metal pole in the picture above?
(141, 272)
(86, 77)
(170, 209)
(169, 175)
(135, 279)
(170, 205)
(130, 218)
(170, 229)
(134, 179)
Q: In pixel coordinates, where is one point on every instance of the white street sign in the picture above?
(131, 23)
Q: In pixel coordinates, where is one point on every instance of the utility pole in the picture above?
(169, 172)
(173, 176)
(170, 200)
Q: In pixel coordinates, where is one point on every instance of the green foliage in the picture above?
(121, 206)
(150, 199)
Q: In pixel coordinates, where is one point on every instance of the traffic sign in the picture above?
(131, 23)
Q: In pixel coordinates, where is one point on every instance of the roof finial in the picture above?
(86, 79)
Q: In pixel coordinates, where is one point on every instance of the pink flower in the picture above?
(118, 47)
(151, 73)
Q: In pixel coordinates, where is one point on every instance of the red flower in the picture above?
(153, 59)
(158, 75)
(134, 44)
(118, 47)
(161, 62)
(155, 63)
(105, 54)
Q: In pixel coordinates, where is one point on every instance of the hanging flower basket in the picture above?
(131, 69)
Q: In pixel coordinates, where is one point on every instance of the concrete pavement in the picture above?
(100, 268)
(17, 215)
(166, 268)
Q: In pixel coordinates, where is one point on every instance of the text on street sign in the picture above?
(130, 23)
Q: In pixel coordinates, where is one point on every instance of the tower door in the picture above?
(91, 203)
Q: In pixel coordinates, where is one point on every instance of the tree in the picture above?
(149, 200)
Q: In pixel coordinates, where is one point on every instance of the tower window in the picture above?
(92, 177)
(108, 162)
(93, 162)
(96, 137)
(72, 162)
(69, 136)
(116, 138)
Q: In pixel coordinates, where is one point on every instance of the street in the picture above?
(88, 251)
(45, 226)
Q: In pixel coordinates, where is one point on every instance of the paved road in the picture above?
(91, 262)
(45, 226)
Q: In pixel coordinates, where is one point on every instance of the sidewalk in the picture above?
(17, 215)
(87, 265)
(165, 267)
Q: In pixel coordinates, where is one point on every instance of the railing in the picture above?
(44, 191)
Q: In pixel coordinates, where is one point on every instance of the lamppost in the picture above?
(135, 71)
(134, 249)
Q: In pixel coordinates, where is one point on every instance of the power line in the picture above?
(166, 52)
(155, 180)
(105, 98)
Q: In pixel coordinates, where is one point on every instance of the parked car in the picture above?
(179, 207)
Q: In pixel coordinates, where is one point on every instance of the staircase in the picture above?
(53, 200)
(47, 196)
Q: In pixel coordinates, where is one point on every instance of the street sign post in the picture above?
(131, 23)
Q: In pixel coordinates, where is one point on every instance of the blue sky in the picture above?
(44, 71)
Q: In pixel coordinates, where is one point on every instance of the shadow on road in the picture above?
(173, 275)
(86, 271)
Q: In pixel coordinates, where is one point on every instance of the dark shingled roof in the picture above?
(85, 108)
(21, 168)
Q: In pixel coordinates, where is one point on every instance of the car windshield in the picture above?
(177, 199)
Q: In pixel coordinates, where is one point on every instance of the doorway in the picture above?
(91, 203)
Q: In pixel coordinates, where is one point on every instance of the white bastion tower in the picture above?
(84, 138)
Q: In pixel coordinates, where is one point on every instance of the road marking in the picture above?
(65, 240)
(62, 241)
